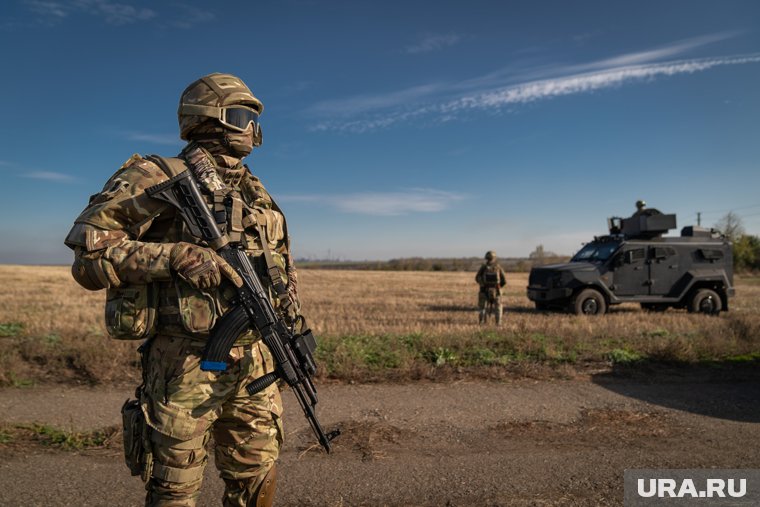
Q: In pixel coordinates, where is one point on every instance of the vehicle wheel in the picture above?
(654, 307)
(589, 302)
(706, 301)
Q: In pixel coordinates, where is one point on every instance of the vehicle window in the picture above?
(638, 254)
(710, 255)
(663, 252)
(596, 252)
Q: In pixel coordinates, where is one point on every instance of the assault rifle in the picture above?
(251, 308)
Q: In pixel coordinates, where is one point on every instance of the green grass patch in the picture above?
(52, 339)
(441, 356)
(744, 358)
(68, 440)
(657, 333)
(5, 437)
(339, 355)
(624, 356)
(10, 329)
(20, 382)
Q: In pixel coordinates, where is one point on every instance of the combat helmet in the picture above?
(490, 255)
(209, 98)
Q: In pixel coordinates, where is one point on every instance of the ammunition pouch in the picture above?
(131, 311)
(137, 450)
(197, 310)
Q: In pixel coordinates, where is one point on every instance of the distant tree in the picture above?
(731, 226)
(747, 253)
(541, 256)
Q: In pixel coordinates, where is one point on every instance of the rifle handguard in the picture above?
(261, 383)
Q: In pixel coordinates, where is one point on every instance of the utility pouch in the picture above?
(131, 312)
(197, 310)
(137, 454)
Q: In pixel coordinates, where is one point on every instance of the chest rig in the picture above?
(242, 209)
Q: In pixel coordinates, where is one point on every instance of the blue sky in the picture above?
(396, 129)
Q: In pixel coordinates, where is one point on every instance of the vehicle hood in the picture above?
(567, 266)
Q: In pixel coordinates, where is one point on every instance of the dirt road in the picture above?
(461, 444)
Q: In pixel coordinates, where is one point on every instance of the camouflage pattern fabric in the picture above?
(489, 295)
(123, 242)
(217, 90)
(184, 406)
(213, 90)
(125, 238)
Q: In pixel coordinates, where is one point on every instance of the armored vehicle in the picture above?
(635, 263)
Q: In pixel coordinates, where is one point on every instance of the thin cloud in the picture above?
(533, 91)
(115, 13)
(433, 42)
(48, 176)
(667, 51)
(503, 77)
(50, 12)
(584, 83)
(55, 10)
(363, 103)
(164, 139)
(418, 200)
(189, 16)
(441, 101)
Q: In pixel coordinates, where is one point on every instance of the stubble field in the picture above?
(384, 326)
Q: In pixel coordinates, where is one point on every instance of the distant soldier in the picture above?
(641, 207)
(491, 279)
(643, 211)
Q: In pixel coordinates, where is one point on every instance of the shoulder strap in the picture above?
(172, 166)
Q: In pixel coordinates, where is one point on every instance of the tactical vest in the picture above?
(491, 278)
(248, 216)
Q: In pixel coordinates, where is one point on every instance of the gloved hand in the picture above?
(201, 267)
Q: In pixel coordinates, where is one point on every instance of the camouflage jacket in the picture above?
(491, 276)
(123, 238)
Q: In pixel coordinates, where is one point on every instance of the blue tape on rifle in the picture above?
(213, 366)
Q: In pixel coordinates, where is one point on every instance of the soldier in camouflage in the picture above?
(168, 288)
(491, 279)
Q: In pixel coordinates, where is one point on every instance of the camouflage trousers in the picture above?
(489, 301)
(185, 406)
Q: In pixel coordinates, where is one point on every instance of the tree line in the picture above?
(510, 264)
(746, 247)
(746, 252)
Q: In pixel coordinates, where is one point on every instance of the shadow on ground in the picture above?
(722, 390)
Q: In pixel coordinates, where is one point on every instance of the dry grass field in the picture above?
(376, 326)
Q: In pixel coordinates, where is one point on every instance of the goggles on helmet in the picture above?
(233, 117)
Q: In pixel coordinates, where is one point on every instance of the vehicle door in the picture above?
(630, 271)
(663, 269)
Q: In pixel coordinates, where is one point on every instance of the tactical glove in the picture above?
(201, 267)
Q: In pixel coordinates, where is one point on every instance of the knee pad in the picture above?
(265, 492)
